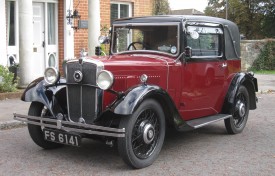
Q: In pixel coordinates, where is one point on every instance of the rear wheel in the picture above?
(145, 131)
(35, 131)
(240, 112)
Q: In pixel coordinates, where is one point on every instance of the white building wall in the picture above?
(26, 42)
(93, 25)
(3, 34)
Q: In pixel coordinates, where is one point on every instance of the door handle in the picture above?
(43, 44)
(224, 65)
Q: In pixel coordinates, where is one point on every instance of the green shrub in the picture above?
(6, 80)
(266, 59)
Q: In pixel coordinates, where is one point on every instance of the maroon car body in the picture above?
(179, 71)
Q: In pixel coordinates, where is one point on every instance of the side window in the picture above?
(205, 41)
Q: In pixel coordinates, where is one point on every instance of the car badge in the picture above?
(78, 76)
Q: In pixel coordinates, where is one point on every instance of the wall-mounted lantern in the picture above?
(73, 18)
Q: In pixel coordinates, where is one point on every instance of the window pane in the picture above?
(151, 38)
(11, 23)
(204, 45)
(114, 12)
(124, 11)
(51, 24)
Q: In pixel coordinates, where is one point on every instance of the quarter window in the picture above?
(205, 41)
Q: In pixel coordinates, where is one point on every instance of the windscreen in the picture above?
(146, 38)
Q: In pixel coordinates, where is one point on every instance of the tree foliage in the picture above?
(7, 80)
(161, 7)
(255, 18)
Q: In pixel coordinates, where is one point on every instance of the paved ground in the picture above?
(206, 151)
(266, 83)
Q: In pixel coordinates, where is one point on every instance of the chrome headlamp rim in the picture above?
(57, 75)
(111, 79)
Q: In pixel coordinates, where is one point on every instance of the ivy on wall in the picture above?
(266, 58)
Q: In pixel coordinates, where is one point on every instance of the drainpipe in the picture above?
(3, 43)
(25, 42)
(93, 25)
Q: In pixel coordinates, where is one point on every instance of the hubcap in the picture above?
(148, 133)
(241, 109)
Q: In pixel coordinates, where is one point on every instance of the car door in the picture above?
(203, 74)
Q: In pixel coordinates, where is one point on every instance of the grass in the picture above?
(265, 72)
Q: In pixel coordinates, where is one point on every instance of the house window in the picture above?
(120, 10)
(51, 24)
(11, 23)
(12, 32)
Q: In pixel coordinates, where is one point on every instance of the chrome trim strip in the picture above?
(89, 60)
(69, 126)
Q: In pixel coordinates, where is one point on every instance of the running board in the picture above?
(197, 123)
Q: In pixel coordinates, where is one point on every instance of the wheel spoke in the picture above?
(141, 147)
(140, 135)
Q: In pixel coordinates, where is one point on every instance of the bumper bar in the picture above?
(71, 126)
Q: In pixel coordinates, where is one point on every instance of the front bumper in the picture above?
(71, 126)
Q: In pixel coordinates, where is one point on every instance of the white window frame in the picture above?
(51, 49)
(129, 39)
(13, 50)
(123, 3)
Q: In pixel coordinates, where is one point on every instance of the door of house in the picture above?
(38, 39)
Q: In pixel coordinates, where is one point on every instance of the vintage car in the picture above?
(162, 71)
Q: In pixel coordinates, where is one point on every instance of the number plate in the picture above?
(62, 137)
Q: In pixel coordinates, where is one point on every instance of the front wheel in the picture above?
(145, 131)
(240, 112)
(35, 131)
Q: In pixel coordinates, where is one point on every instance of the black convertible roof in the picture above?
(173, 18)
(231, 31)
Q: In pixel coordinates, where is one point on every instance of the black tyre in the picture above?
(240, 112)
(145, 132)
(36, 133)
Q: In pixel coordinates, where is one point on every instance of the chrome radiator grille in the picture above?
(82, 100)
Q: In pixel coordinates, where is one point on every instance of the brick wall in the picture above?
(60, 33)
(81, 35)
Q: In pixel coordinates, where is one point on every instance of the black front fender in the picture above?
(37, 92)
(132, 98)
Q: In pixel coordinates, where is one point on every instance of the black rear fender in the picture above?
(247, 80)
